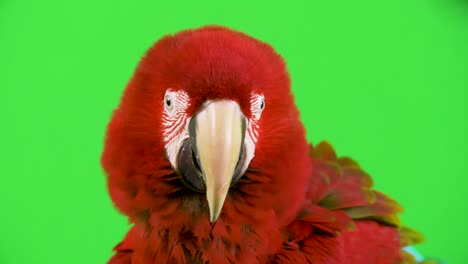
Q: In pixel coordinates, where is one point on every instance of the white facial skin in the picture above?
(176, 122)
(257, 105)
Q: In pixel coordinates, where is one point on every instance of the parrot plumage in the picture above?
(207, 157)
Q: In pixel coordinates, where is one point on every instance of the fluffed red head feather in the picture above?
(210, 63)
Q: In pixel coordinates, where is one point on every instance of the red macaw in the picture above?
(207, 157)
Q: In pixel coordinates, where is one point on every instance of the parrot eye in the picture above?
(258, 105)
(169, 102)
(262, 104)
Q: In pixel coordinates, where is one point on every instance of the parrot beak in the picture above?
(217, 135)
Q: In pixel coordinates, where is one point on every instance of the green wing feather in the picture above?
(339, 183)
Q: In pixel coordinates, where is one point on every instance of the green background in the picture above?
(384, 81)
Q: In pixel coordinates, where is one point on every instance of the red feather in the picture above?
(295, 204)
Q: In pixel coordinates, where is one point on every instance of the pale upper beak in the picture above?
(218, 134)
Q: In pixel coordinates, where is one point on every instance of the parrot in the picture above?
(208, 159)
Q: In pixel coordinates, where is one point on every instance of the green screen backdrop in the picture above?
(384, 81)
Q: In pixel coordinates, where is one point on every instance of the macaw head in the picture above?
(207, 122)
